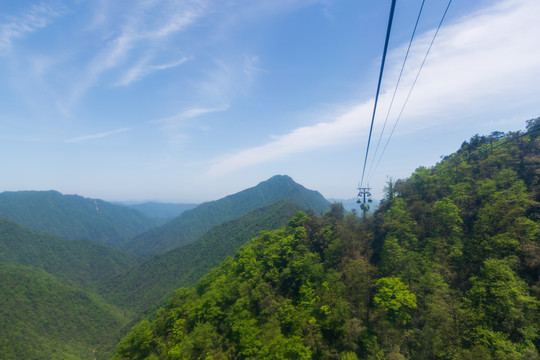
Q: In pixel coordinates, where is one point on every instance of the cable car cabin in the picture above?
(364, 194)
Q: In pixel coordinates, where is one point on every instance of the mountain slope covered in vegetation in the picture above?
(146, 285)
(193, 223)
(84, 263)
(74, 217)
(447, 268)
(42, 317)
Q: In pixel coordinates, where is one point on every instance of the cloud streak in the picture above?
(142, 69)
(174, 126)
(474, 64)
(84, 138)
(345, 127)
(188, 114)
(37, 17)
(146, 27)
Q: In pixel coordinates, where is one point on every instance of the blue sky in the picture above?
(192, 100)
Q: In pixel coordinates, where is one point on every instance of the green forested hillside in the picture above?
(146, 285)
(447, 268)
(82, 262)
(49, 308)
(74, 217)
(193, 223)
(41, 317)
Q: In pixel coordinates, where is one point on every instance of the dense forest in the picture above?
(84, 263)
(44, 317)
(447, 268)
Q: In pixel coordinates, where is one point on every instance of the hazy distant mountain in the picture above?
(348, 204)
(145, 285)
(82, 262)
(193, 223)
(164, 211)
(73, 216)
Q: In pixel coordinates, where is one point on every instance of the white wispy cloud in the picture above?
(251, 67)
(229, 78)
(174, 127)
(147, 24)
(84, 138)
(489, 61)
(16, 27)
(324, 134)
(142, 69)
(234, 75)
(189, 113)
(477, 62)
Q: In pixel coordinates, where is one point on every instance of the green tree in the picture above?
(395, 298)
(138, 344)
(500, 298)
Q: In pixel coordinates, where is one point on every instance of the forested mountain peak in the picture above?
(192, 223)
(279, 180)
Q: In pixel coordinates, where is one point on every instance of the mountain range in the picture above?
(446, 267)
(74, 217)
(53, 286)
(193, 223)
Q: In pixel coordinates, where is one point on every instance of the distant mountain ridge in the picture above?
(193, 223)
(74, 217)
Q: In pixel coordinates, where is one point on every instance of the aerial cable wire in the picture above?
(379, 84)
(413, 84)
(395, 89)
